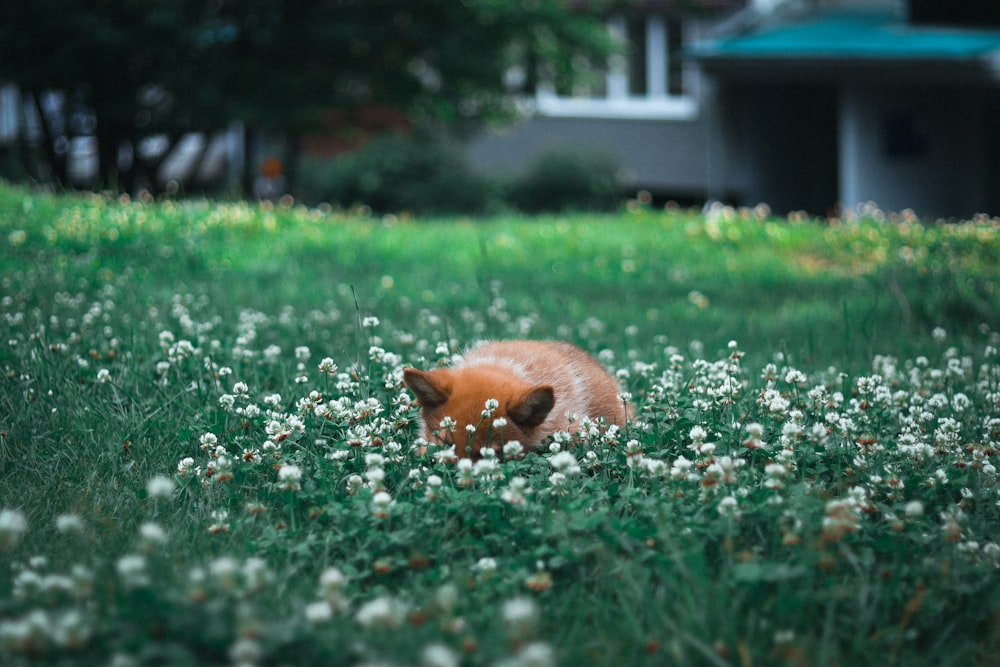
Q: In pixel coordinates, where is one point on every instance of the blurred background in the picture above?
(439, 106)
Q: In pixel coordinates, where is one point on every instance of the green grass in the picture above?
(861, 527)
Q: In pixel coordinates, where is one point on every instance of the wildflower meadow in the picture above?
(207, 454)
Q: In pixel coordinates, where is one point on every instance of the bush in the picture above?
(568, 179)
(416, 174)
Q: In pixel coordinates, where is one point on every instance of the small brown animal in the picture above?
(537, 386)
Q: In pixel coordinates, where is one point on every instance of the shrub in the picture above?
(417, 174)
(568, 179)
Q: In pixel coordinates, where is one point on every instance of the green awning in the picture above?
(872, 39)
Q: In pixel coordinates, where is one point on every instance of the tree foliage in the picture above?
(174, 66)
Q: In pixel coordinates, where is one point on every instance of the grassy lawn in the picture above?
(207, 455)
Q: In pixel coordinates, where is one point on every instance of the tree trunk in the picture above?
(56, 162)
(293, 155)
(251, 148)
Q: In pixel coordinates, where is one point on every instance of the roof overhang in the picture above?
(842, 47)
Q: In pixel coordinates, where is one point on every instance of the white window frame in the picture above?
(656, 104)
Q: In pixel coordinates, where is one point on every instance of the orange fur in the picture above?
(536, 383)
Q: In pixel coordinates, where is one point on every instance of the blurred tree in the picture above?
(167, 67)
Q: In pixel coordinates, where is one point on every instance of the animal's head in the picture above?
(462, 394)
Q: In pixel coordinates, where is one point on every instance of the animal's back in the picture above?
(582, 386)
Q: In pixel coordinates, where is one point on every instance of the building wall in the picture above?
(927, 150)
(658, 136)
(817, 147)
(664, 156)
(775, 144)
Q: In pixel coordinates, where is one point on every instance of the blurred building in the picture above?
(820, 104)
(645, 110)
(802, 104)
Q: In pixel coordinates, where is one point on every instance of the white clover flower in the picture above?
(706, 449)
(224, 570)
(104, 375)
(562, 438)
(794, 376)
(318, 612)
(290, 477)
(245, 651)
(634, 455)
(382, 612)
(132, 570)
(69, 523)
(512, 449)
(486, 565)
(208, 441)
(537, 654)
(516, 492)
(439, 655)
(778, 404)
(355, 484)
(327, 366)
(160, 487)
(519, 610)
(488, 467)
(466, 473)
(729, 506)
(331, 581)
(151, 535)
(914, 509)
(434, 483)
(775, 470)
(382, 502)
(13, 526)
(255, 574)
(680, 468)
(654, 467)
(375, 476)
(185, 466)
(491, 405)
(220, 521)
(370, 322)
(565, 463)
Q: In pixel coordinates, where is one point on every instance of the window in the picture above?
(649, 79)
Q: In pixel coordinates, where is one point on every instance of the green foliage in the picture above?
(181, 65)
(206, 454)
(568, 180)
(397, 174)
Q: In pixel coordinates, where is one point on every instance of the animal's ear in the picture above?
(533, 406)
(431, 388)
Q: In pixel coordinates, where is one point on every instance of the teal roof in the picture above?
(855, 36)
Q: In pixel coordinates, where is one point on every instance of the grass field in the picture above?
(207, 455)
